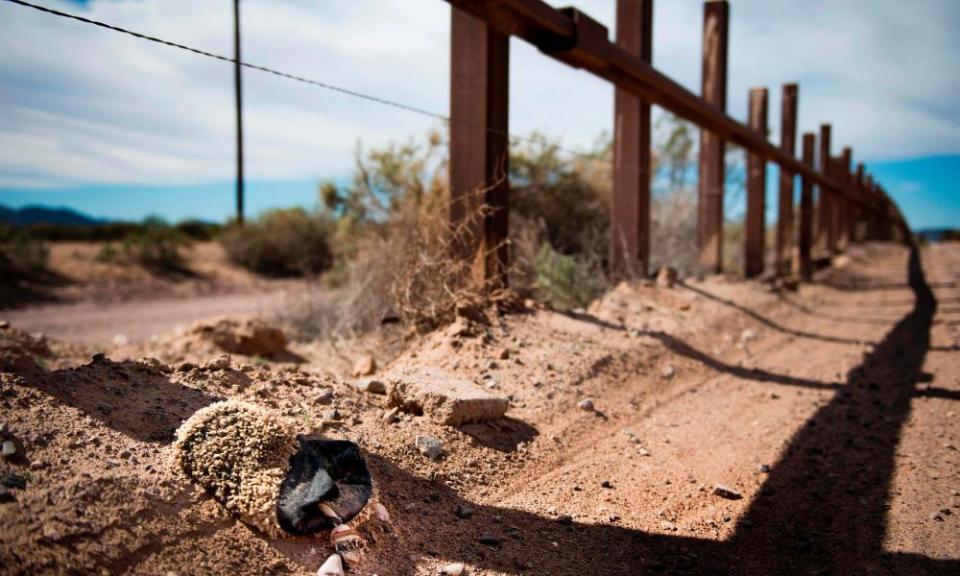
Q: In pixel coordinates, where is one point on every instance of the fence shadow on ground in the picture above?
(822, 509)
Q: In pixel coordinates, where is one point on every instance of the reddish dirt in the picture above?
(831, 411)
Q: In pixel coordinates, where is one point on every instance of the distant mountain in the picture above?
(29, 215)
(936, 234)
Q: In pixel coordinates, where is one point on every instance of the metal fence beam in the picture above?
(754, 229)
(630, 205)
(805, 249)
(823, 196)
(479, 146)
(788, 141)
(716, 24)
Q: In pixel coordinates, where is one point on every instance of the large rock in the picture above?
(445, 398)
(246, 336)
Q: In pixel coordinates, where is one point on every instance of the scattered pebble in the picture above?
(333, 566)
(726, 492)
(764, 468)
(489, 539)
(606, 484)
(666, 276)
(391, 415)
(643, 452)
(668, 371)
(464, 512)
(371, 386)
(9, 449)
(429, 446)
(364, 366)
(586, 404)
(454, 569)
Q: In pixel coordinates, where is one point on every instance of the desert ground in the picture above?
(717, 426)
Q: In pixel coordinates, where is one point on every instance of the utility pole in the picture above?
(239, 100)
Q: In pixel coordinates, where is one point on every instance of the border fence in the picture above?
(839, 205)
(850, 206)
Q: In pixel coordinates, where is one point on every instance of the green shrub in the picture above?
(20, 255)
(156, 245)
(567, 281)
(281, 243)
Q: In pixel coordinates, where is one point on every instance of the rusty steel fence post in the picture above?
(844, 202)
(788, 139)
(804, 265)
(856, 219)
(716, 24)
(632, 166)
(754, 229)
(479, 146)
(823, 197)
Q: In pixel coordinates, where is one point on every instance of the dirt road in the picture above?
(827, 417)
(138, 320)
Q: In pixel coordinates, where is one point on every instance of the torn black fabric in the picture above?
(329, 472)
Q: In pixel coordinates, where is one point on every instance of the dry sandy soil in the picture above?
(831, 412)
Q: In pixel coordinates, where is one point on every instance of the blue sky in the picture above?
(123, 128)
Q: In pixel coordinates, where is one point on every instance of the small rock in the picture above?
(747, 335)
(364, 366)
(333, 566)
(429, 446)
(764, 468)
(391, 415)
(331, 414)
(186, 367)
(936, 516)
(726, 492)
(455, 569)
(586, 404)
(491, 365)
(606, 484)
(14, 481)
(464, 512)
(666, 276)
(505, 354)
(221, 363)
(668, 372)
(643, 452)
(489, 539)
(371, 386)
(4, 324)
(323, 396)
(9, 449)
(946, 511)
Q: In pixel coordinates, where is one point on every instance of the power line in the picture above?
(287, 75)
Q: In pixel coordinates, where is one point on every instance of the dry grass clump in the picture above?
(239, 453)
(281, 243)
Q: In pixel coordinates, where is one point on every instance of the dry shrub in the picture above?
(281, 243)
(394, 247)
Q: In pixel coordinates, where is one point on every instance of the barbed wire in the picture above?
(294, 77)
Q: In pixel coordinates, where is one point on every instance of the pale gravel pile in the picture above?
(239, 453)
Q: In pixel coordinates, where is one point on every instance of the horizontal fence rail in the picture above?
(572, 37)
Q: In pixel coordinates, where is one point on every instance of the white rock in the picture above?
(668, 371)
(455, 569)
(429, 446)
(586, 404)
(370, 385)
(333, 566)
(9, 449)
(120, 340)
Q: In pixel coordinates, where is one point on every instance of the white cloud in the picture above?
(87, 106)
